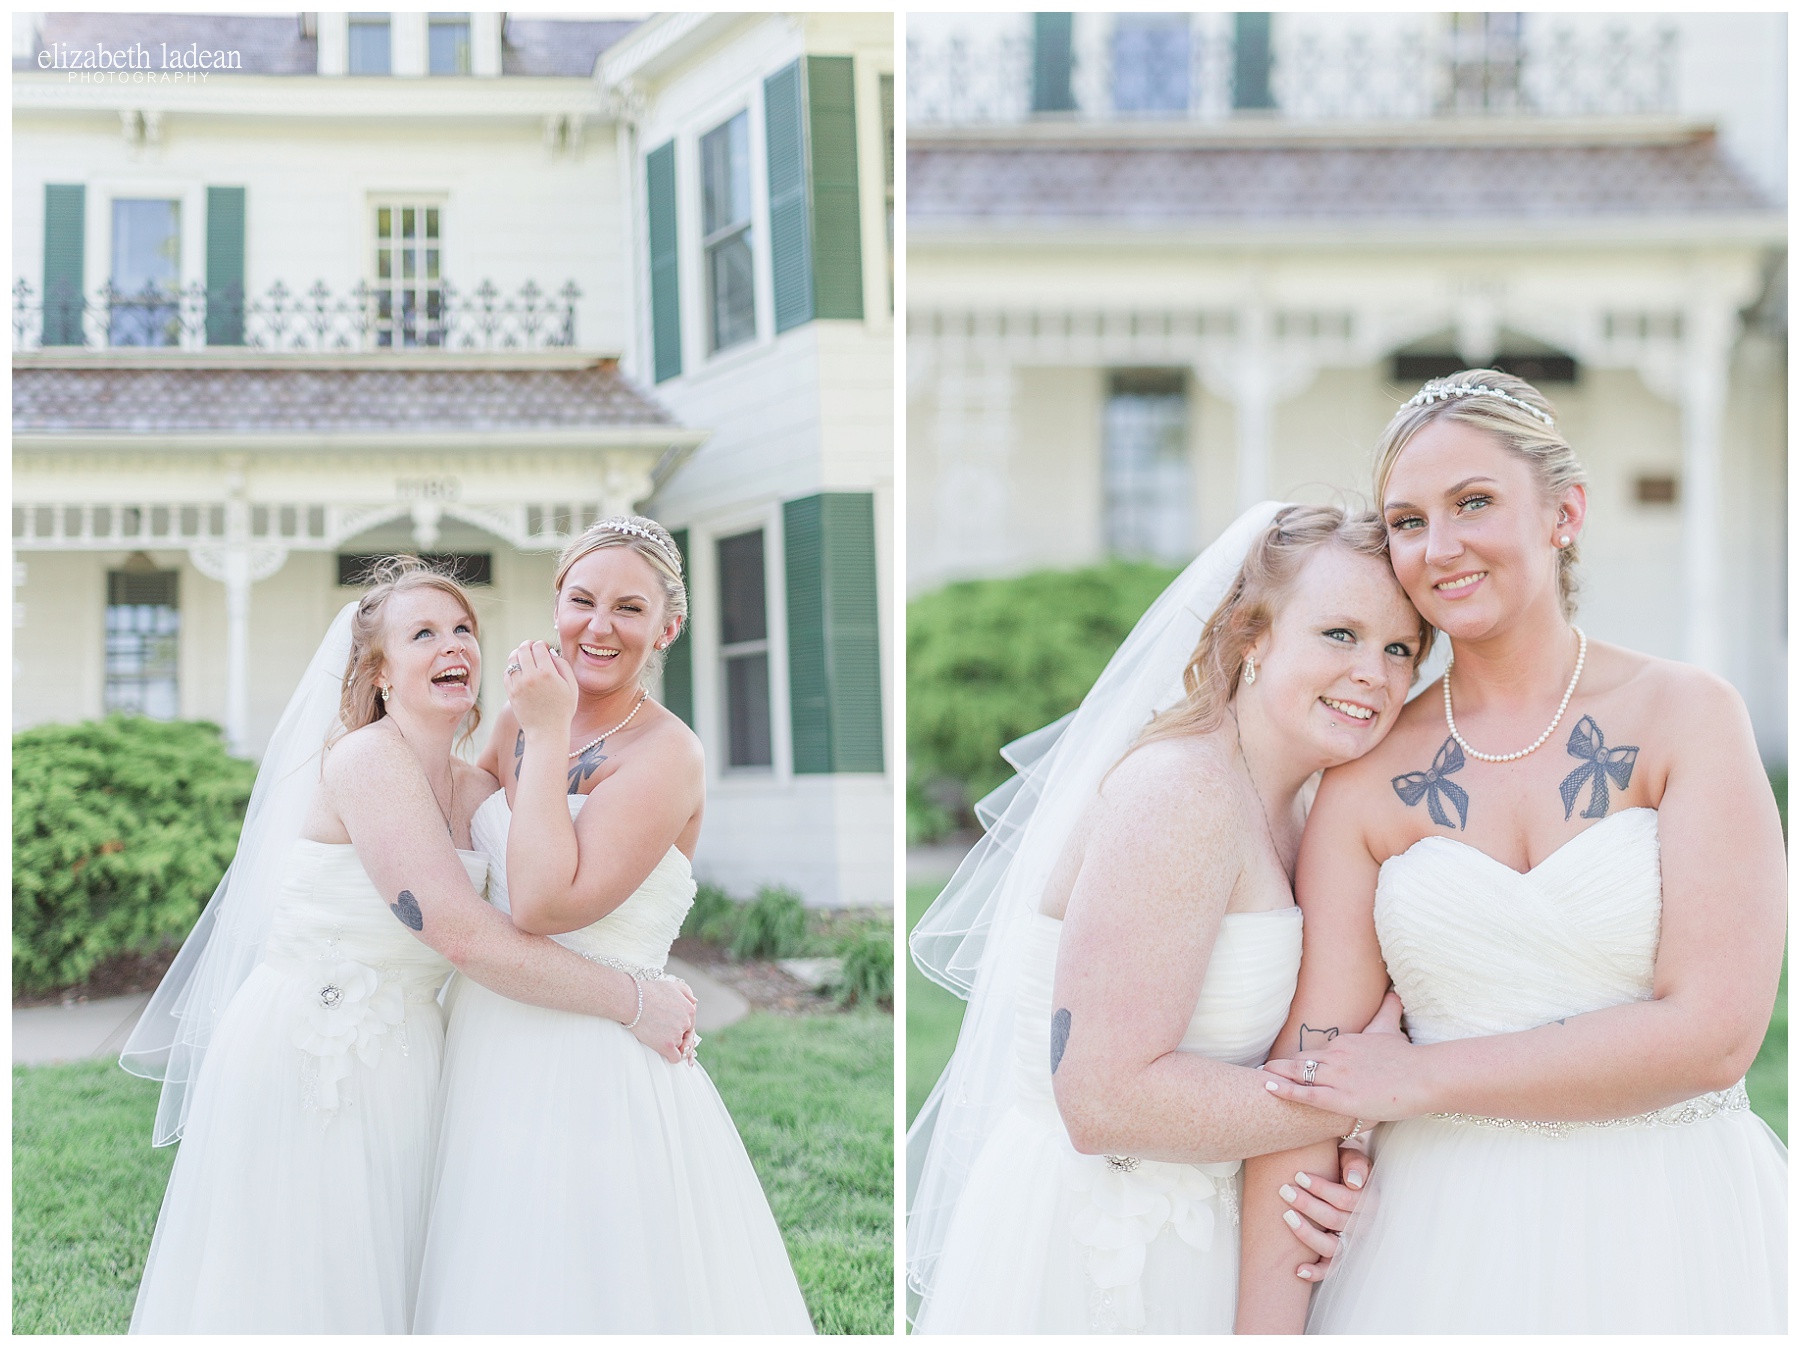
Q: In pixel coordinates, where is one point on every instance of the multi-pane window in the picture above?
(1485, 51)
(1148, 479)
(449, 44)
(1150, 62)
(146, 273)
(744, 650)
(408, 286)
(143, 627)
(725, 224)
(370, 44)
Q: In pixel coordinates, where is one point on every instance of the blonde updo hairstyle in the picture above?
(1540, 444)
(651, 541)
(361, 703)
(1263, 583)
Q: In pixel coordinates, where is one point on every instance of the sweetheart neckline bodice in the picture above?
(1531, 870)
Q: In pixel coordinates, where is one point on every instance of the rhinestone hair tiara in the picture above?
(619, 524)
(1426, 396)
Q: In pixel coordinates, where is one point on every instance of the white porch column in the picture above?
(237, 565)
(974, 433)
(1708, 329)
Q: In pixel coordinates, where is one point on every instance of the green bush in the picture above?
(713, 916)
(771, 925)
(868, 966)
(990, 660)
(121, 830)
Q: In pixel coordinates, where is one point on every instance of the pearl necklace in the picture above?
(642, 694)
(1568, 692)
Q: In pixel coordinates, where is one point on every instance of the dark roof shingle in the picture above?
(1238, 183)
(173, 400)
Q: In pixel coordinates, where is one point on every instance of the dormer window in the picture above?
(371, 44)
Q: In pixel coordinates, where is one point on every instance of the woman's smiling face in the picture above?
(609, 616)
(1471, 536)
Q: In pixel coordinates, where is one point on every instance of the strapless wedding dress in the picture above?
(584, 1184)
(1670, 1222)
(1047, 1240)
(298, 1199)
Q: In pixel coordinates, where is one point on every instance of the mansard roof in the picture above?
(1041, 180)
(77, 395)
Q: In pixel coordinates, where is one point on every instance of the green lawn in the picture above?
(933, 1016)
(812, 1097)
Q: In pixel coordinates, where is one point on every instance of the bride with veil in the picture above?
(1126, 937)
(298, 1035)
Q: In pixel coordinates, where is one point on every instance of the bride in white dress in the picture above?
(1127, 938)
(298, 1033)
(583, 1184)
(1585, 928)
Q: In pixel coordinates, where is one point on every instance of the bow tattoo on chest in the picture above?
(1600, 764)
(1435, 788)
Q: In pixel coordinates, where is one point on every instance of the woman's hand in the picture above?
(1376, 1076)
(541, 687)
(1318, 1211)
(666, 1026)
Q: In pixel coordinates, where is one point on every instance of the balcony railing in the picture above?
(366, 318)
(975, 70)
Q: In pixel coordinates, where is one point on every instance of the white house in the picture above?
(296, 291)
(1162, 266)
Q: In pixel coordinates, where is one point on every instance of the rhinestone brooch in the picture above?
(329, 996)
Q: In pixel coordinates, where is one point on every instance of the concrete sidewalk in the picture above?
(45, 1034)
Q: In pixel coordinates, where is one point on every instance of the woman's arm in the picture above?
(563, 874)
(1161, 861)
(1717, 965)
(386, 805)
(1342, 980)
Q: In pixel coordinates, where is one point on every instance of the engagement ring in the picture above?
(1309, 1069)
(513, 668)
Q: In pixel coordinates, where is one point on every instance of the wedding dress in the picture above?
(1046, 1240)
(298, 1200)
(1669, 1222)
(584, 1184)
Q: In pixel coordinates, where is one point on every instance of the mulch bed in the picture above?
(759, 981)
(121, 975)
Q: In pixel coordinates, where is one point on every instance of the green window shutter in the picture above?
(678, 663)
(836, 204)
(65, 259)
(665, 279)
(1053, 63)
(834, 655)
(224, 266)
(1250, 66)
(790, 222)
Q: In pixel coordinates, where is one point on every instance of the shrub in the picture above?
(868, 966)
(713, 916)
(990, 660)
(121, 830)
(771, 925)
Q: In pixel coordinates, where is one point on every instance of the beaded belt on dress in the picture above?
(1697, 1109)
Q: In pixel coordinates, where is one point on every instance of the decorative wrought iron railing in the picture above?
(366, 318)
(975, 70)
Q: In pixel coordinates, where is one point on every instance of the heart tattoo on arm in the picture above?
(407, 909)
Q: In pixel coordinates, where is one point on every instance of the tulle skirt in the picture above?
(1647, 1229)
(1045, 1240)
(585, 1185)
(282, 1216)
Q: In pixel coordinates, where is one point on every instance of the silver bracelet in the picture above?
(1354, 1132)
(636, 973)
(637, 982)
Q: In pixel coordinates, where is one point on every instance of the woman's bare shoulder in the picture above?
(375, 744)
(1692, 702)
(1193, 780)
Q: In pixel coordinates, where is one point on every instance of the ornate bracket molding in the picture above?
(215, 561)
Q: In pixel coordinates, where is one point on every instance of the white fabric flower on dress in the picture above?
(1118, 1215)
(345, 1007)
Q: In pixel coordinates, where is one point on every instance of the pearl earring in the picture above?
(1563, 541)
(1249, 668)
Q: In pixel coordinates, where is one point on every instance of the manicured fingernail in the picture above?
(1270, 1085)
(1292, 1218)
(1302, 1180)
(1304, 1274)
(1288, 1194)
(1355, 1180)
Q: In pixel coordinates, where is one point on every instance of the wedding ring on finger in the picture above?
(514, 667)
(1308, 1069)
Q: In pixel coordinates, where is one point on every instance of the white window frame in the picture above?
(371, 246)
